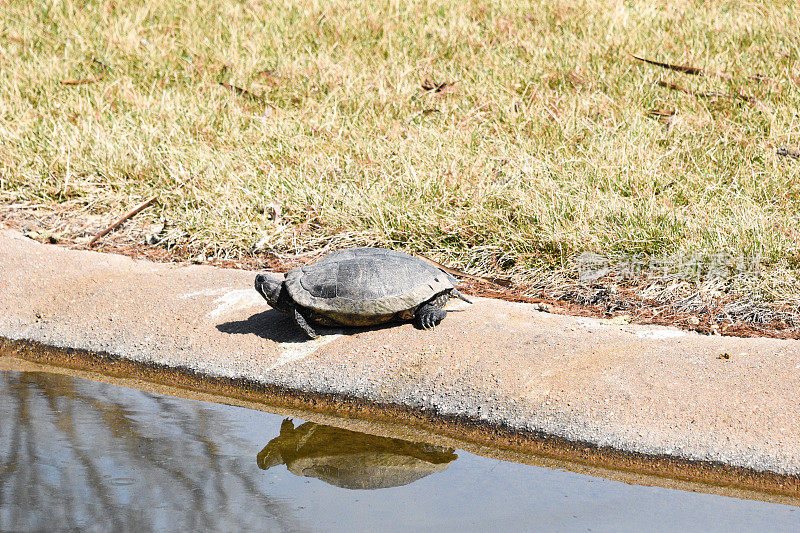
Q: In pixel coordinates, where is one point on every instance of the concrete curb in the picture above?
(650, 390)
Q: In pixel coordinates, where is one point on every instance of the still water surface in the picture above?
(81, 455)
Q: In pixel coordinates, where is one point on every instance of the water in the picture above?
(80, 455)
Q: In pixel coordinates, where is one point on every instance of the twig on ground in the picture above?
(702, 94)
(664, 112)
(662, 115)
(105, 67)
(695, 71)
(83, 81)
(241, 92)
(133, 212)
(685, 69)
(786, 152)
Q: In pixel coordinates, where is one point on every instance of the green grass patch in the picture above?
(540, 146)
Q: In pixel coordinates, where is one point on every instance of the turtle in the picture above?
(350, 459)
(362, 287)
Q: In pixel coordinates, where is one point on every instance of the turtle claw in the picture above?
(426, 322)
(428, 316)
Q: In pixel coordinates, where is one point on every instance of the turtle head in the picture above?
(274, 292)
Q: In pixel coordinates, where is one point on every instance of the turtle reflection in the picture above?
(352, 460)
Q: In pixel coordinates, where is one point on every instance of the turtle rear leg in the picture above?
(428, 316)
(301, 321)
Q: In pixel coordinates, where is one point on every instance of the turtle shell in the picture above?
(350, 459)
(361, 286)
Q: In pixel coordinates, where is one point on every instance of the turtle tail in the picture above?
(457, 294)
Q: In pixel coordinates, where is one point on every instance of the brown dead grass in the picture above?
(638, 301)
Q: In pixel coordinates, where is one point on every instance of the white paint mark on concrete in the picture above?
(291, 352)
(231, 300)
(589, 322)
(457, 305)
(236, 300)
(659, 334)
(205, 292)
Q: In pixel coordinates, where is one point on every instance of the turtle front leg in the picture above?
(301, 321)
(428, 316)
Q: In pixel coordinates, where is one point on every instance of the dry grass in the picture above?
(504, 138)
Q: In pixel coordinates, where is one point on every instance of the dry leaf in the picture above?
(433, 85)
(83, 81)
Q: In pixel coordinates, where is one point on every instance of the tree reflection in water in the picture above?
(75, 454)
(78, 455)
(88, 456)
(352, 460)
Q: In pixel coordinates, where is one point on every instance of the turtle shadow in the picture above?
(279, 327)
(270, 325)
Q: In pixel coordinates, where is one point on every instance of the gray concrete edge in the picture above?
(648, 390)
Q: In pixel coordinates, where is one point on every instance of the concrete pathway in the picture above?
(652, 390)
